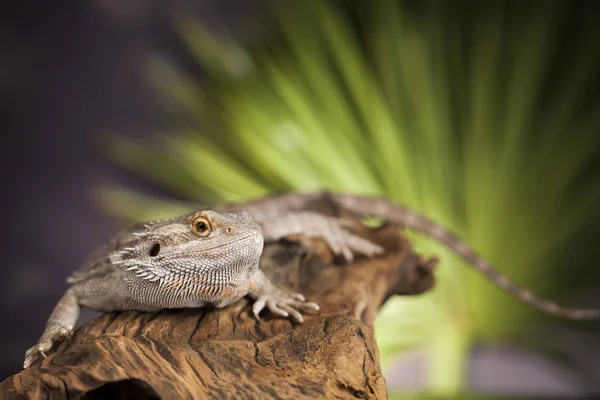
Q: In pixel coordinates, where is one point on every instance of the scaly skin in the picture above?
(190, 269)
(285, 213)
(202, 258)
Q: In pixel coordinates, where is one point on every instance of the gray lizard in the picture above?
(212, 257)
(204, 258)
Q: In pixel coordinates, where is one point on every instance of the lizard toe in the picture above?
(289, 306)
(258, 306)
(44, 346)
(64, 332)
(294, 314)
(273, 306)
(54, 335)
(363, 246)
(31, 355)
(347, 254)
(297, 296)
(306, 306)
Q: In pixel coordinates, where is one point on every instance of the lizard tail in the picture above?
(383, 208)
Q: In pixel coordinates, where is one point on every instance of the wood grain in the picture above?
(226, 353)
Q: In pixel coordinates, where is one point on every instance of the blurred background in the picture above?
(485, 116)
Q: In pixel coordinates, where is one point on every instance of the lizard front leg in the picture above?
(276, 300)
(59, 326)
(335, 232)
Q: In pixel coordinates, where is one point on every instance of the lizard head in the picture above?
(203, 240)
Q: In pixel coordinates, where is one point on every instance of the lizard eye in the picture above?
(201, 226)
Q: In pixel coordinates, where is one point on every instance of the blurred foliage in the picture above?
(470, 115)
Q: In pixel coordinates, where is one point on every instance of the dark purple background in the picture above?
(69, 74)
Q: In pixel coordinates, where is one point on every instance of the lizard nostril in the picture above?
(229, 230)
(154, 250)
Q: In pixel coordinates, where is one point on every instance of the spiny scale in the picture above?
(384, 208)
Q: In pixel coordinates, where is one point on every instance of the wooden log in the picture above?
(228, 354)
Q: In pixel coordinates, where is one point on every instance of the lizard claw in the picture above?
(51, 336)
(297, 296)
(284, 305)
(338, 235)
(258, 306)
(345, 243)
(354, 243)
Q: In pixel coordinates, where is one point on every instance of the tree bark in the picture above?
(226, 353)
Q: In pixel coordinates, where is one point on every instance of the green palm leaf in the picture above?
(457, 115)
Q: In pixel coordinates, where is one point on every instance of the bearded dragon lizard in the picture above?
(211, 257)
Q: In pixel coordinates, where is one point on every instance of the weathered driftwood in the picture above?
(227, 353)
